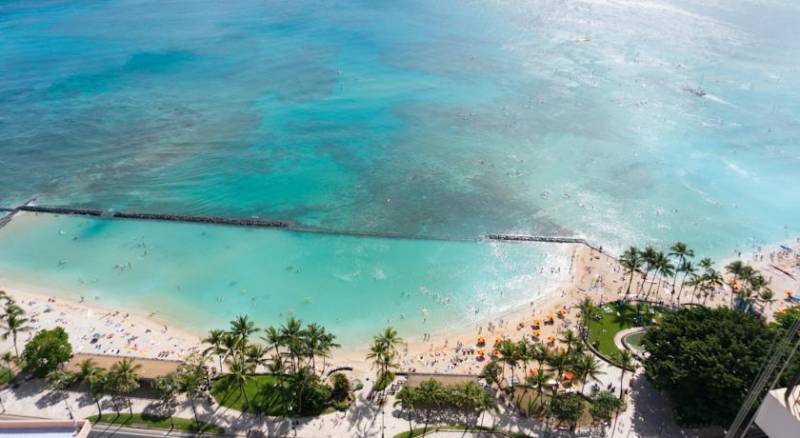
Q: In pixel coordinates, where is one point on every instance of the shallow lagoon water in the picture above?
(202, 276)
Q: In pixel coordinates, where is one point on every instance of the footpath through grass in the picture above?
(615, 317)
(144, 421)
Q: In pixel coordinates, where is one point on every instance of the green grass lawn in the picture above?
(272, 395)
(601, 332)
(6, 375)
(227, 393)
(153, 422)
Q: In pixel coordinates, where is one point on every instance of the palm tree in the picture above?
(216, 340)
(242, 327)
(559, 362)
(625, 362)
(14, 323)
(408, 400)
(539, 381)
(587, 368)
(8, 359)
(302, 381)
(569, 339)
(682, 252)
(124, 379)
(167, 388)
(273, 338)
(232, 345)
(326, 344)
(241, 371)
(587, 309)
(430, 392)
(95, 378)
(662, 267)
(384, 349)
(508, 354)
(706, 264)
(191, 377)
(711, 282)
(687, 268)
(254, 354)
(318, 343)
(736, 268)
(666, 269)
(631, 260)
(649, 260)
(292, 334)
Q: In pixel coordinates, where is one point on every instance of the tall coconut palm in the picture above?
(587, 368)
(408, 400)
(292, 334)
(216, 347)
(631, 260)
(387, 343)
(682, 253)
(666, 269)
(706, 264)
(508, 354)
(587, 309)
(625, 362)
(242, 328)
(13, 322)
(559, 361)
(124, 379)
(274, 339)
(95, 378)
(539, 381)
(712, 281)
(241, 371)
(326, 345)
(649, 261)
(687, 268)
(569, 339)
(9, 360)
(232, 345)
(735, 268)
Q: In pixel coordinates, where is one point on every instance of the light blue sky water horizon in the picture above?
(450, 119)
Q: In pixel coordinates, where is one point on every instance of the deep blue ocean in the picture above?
(622, 122)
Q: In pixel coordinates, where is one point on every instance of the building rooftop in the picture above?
(45, 429)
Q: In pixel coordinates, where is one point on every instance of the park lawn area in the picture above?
(154, 422)
(226, 392)
(602, 331)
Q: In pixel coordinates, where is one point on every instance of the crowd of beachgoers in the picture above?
(593, 274)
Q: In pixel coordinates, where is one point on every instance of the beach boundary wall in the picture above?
(270, 223)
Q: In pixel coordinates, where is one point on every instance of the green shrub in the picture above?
(46, 351)
(341, 387)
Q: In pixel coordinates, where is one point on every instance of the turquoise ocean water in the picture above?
(448, 119)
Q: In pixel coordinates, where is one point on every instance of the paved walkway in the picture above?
(648, 416)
